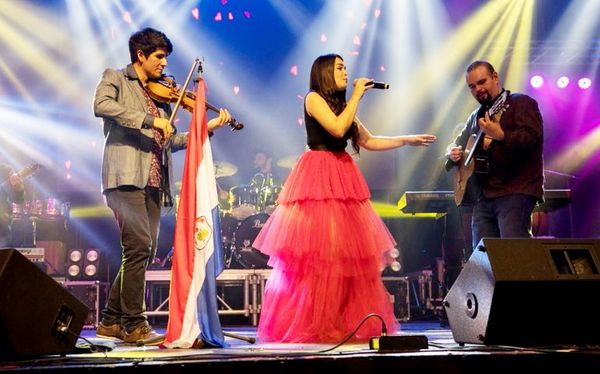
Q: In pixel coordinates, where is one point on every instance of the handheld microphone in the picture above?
(381, 85)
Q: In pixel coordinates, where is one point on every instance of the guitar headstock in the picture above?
(29, 170)
(499, 107)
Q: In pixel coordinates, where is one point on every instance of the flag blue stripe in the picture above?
(207, 303)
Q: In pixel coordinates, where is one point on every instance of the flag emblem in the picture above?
(202, 232)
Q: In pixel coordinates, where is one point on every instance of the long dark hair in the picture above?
(322, 81)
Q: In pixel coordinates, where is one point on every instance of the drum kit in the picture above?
(48, 211)
(250, 205)
(44, 209)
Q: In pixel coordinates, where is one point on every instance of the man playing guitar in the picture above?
(497, 158)
(12, 190)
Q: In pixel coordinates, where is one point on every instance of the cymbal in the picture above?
(224, 169)
(288, 162)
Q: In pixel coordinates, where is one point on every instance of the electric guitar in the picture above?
(476, 163)
(24, 173)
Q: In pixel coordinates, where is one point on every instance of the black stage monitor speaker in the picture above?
(527, 292)
(37, 315)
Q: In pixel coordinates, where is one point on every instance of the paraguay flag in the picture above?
(197, 254)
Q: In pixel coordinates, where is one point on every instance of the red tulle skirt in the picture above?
(327, 248)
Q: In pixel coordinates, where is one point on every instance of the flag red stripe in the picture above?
(184, 249)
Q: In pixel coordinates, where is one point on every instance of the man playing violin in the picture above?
(136, 175)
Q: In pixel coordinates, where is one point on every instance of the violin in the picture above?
(165, 90)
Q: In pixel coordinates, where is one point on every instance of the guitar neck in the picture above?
(23, 173)
(473, 147)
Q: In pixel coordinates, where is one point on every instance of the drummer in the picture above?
(258, 175)
(12, 190)
(263, 169)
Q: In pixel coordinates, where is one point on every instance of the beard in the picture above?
(485, 99)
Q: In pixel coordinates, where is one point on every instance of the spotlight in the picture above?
(396, 266)
(91, 263)
(74, 270)
(75, 255)
(91, 255)
(83, 263)
(91, 270)
(75, 263)
(584, 83)
(536, 81)
(562, 82)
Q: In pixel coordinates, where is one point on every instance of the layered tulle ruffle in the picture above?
(327, 248)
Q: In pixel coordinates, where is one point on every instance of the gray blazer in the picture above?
(119, 101)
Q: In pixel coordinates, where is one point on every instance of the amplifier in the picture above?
(92, 294)
(398, 291)
(33, 254)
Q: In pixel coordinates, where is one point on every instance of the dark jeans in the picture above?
(137, 212)
(502, 217)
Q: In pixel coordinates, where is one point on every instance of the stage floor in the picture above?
(443, 353)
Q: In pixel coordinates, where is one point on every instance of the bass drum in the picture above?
(246, 255)
(228, 227)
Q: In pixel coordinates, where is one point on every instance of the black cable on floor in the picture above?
(383, 331)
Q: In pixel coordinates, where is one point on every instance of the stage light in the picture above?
(73, 270)
(83, 263)
(75, 263)
(584, 83)
(75, 255)
(536, 81)
(562, 82)
(91, 270)
(396, 266)
(91, 255)
(91, 263)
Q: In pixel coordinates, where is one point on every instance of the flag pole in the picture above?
(248, 339)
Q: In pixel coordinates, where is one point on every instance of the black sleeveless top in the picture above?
(317, 138)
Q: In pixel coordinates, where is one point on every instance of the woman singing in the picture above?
(326, 244)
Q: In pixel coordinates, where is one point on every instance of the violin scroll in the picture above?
(233, 123)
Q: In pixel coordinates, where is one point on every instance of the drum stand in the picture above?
(33, 220)
(228, 254)
(262, 181)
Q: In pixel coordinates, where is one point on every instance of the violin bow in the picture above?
(182, 93)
